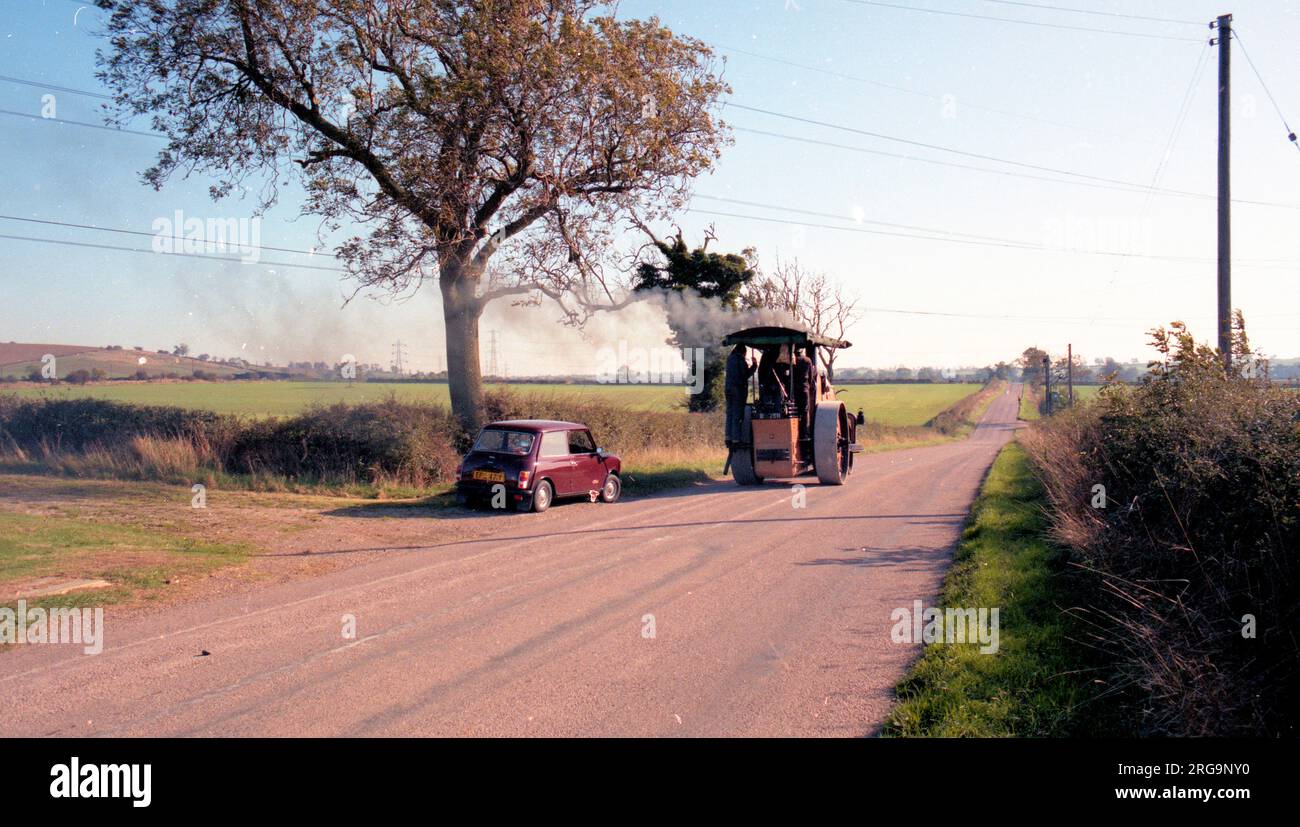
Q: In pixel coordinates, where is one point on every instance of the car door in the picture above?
(588, 474)
(554, 462)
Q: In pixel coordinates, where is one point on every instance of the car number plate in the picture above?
(490, 476)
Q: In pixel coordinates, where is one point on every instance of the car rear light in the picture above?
(460, 470)
(523, 479)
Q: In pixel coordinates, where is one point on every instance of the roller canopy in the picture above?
(761, 336)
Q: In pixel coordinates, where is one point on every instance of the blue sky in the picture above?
(1096, 104)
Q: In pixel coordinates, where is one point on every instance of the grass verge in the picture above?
(1037, 683)
(138, 560)
(1029, 402)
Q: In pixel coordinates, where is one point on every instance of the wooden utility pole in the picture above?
(1047, 382)
(1069, 371)
(1224, 41)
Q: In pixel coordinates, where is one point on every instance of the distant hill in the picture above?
(18, 358)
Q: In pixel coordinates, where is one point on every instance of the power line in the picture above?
(1046, 7)
(1007, 243)
(1133, 187)
(122, 231)
(1087, 180)
(924, 145)
(1041, 24)
(841, 217)
(931, 96)
(1184, 109)
(931, 234)
(43, 85)
(1290, 132)
(155, 253)
(82, 123)
(1128, 186)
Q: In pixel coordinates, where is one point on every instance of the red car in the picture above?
(532, 462)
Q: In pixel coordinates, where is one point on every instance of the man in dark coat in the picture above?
(735, 387)
(805, 392)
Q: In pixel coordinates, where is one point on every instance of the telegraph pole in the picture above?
(1224, 41)
(1069, 371)
(1047, 382)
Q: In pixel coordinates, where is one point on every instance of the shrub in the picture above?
(615, 429)
(81, 424)
(1202, 527)
(390, 440)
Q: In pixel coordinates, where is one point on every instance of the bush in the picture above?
(81, 424)
(390, 441)
(615, 429)
(78, 377)
(394, 441)
(1202, 527)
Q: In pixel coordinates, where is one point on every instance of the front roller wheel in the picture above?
(831, 439)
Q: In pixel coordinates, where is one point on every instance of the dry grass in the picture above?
(1198, 532)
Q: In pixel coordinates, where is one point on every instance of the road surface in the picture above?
(721, 612)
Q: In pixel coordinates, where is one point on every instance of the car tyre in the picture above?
(542, 496)
(612, 489)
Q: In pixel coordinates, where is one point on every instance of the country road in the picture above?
(768, 620)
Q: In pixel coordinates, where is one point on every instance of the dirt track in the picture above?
(768, 620)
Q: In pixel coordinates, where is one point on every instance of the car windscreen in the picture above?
(500, 441)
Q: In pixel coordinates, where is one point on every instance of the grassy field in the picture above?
(1035, 685)
(902, 404)
(261, 399)
(888, 404)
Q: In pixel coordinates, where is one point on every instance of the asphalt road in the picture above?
(768, 620)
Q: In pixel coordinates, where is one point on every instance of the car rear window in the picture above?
(500, 441)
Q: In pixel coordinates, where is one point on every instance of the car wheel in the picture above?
(612, 488)
(542, 496)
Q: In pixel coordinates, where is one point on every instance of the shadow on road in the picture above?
(442, 506)
(884, 557)
(944, 519)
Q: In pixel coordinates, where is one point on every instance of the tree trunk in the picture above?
(461, 309)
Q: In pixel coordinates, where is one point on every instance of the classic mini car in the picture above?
(529, 463)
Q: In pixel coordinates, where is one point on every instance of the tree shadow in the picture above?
(869, 557)
(917, 519)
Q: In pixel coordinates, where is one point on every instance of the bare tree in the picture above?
(810, 298)
(460, 133)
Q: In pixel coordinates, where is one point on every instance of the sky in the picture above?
(919, 187)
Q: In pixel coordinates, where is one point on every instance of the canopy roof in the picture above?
(761, 336)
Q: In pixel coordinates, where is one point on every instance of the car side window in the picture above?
(580, 442)
(554, 444)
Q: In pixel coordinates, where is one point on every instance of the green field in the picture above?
(287, 398)
(902, 404)
(889, 404)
